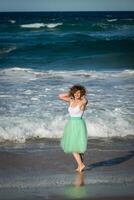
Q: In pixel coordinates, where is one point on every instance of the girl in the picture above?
(74, 139)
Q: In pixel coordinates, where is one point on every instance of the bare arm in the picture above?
(84, 102)
(64, 97)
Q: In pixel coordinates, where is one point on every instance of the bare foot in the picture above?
(81, 168)
(77, 169)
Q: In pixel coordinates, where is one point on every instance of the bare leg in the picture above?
(82, 156)
(79, 162)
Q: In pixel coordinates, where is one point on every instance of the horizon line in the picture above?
(70, 11)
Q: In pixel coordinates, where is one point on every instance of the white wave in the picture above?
(40, 25)
(12, 21)
(34, 98)
(92, 73)
(4, 95)
(47, 120)
(53, 25)
(17, 74)
(16, 69)
(105, 128)
(128, 72)
(27, 92)
(7, 50)
(19, 129)
(31, 74)
(34, 25)
(112, 20)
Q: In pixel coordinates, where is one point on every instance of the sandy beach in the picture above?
(41, 170)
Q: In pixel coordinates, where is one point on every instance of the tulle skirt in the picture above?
(74, 138)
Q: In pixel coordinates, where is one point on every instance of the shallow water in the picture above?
(39, 170)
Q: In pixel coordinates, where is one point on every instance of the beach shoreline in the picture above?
(46, 172)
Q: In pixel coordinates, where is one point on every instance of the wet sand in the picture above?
(42, 171)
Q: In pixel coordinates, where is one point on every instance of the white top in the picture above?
(75, 111)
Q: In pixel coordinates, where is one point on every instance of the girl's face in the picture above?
(77, 94)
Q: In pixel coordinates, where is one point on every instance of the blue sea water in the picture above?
(44, 53)
(67, 40)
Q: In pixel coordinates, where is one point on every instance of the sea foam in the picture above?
(40, 25)
(30, 107)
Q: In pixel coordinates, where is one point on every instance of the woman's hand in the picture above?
(64, 96)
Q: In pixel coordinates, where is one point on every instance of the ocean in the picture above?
(44, 53)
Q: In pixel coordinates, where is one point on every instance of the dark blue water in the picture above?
(67, 40)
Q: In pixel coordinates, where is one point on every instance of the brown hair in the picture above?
(75, 88)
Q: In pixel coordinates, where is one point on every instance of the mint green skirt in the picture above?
(74, 137)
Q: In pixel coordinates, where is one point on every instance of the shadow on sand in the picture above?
(111, 162)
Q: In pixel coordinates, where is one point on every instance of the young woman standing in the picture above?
(74, 139)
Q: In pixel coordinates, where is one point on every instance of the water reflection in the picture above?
(78, 188)
(79, 179)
